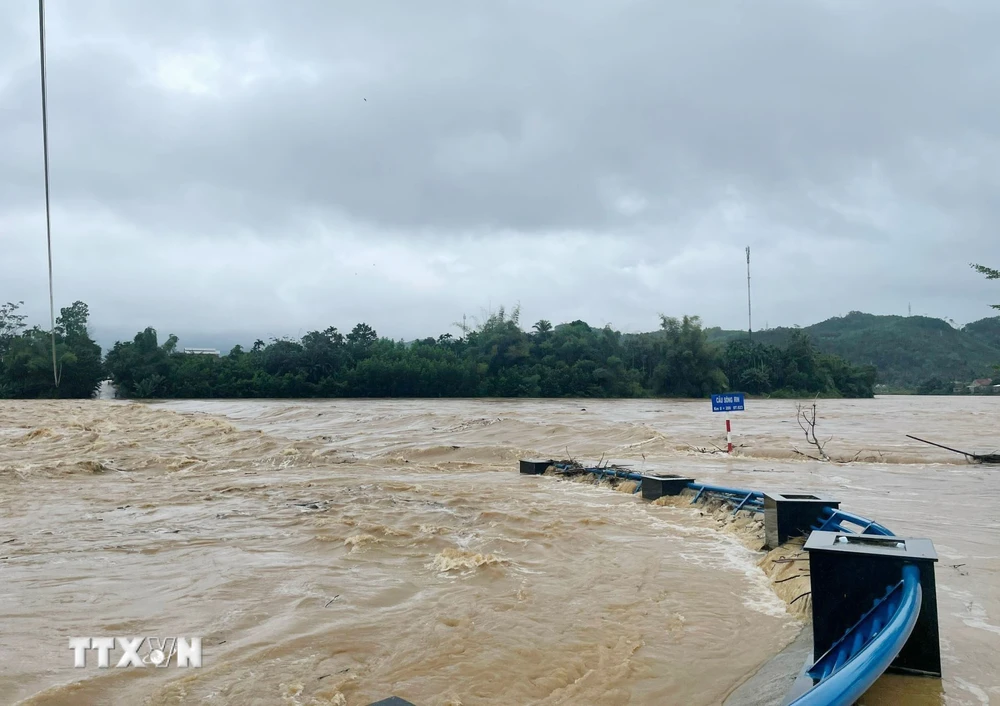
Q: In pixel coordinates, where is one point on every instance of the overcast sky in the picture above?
(242, 168)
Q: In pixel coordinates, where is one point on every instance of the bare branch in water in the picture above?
(814, 458)
(806, 419)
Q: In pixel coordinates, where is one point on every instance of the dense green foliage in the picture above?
(499, 359)
(837, 357)
(986, 331)
(761, 368)
(907, 350)
(26, 355)
(496, 359)
(936, 386)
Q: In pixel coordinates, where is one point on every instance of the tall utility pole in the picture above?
(749, 310)
(45, 161)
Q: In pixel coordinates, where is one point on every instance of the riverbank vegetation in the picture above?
(497, 358)
(27, 368)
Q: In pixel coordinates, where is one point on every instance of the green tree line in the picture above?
(26, 355)
(497, 358)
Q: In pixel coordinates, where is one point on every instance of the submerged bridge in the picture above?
(874, 600)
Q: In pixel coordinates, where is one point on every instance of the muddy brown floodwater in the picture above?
(338, 552)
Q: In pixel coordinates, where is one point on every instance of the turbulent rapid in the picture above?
(338, 552)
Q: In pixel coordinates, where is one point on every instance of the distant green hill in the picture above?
(907, 350)
(986, 331)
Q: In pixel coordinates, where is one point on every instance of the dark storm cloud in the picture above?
(855, 144)
(504, 115)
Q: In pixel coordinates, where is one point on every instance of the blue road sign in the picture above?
(728, 402)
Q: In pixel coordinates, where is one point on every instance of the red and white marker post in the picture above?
(728, 402)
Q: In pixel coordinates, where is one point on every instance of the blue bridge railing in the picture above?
(852, 665)
(750, 500)
(849, 668)
(840, 521)
(602, 472)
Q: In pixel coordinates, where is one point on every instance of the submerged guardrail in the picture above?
(852, 665)
(748, 499)
(874, 604)
(874, 600)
